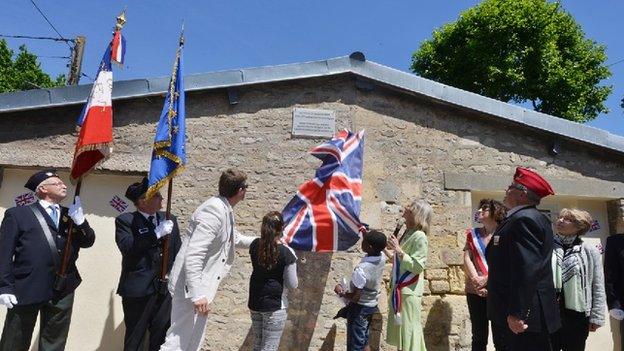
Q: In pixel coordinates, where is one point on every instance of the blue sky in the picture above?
(246, 33)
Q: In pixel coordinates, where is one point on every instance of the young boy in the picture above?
(364, 290)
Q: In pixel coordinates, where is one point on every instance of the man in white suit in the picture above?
(205, 258)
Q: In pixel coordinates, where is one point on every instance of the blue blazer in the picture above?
(520, 281)
(141, 253)
(26, 263)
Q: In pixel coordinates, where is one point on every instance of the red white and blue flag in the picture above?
(324, 214)
(118, 48)
(95, 141)
(400, 281)
(477, 249)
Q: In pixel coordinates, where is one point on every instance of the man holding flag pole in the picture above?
(148, 240)
(39, 243)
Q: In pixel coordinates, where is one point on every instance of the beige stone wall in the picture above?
(410, 143)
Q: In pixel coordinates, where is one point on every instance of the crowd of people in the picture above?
(534, 288)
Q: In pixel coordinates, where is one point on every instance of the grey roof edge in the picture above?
(42, 98)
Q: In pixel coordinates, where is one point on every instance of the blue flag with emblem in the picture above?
(169, 155)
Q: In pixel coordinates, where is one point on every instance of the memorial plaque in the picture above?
(313, 123)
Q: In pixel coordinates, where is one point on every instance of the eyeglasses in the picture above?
(55, 184)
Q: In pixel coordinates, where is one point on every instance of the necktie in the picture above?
(54, 215)
(230, 214)
(150, 219)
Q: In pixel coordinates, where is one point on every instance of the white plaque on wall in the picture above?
(315, 123)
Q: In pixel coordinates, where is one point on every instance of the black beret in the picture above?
(36, 179)
(136, 190)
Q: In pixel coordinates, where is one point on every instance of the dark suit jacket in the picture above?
(520, 281)
(26, 264)
(141, 253)
(614, 271)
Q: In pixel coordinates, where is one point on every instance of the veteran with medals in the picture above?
(139, 236)
(521, 294)
(32, 239)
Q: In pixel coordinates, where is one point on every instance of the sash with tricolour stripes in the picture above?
(477, 249)
(400, 281)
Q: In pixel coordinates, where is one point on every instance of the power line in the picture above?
(50, 23)
(35, 38)
(616, 62)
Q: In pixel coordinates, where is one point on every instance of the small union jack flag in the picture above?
(25, 199)
(594, 226)
(324, 214)
(117, 203)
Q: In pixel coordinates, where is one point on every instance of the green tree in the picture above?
(23, 71)
(520, 51)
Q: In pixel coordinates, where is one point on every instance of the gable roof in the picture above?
(355, 64)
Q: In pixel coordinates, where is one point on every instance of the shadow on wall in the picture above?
(304, 304)
(438, 326)
(112, 337)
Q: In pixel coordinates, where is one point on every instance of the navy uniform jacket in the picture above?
(26, 264)
(141, 253)
(520, 281)
(614, 271)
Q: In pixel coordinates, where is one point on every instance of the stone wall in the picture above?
(410, 143)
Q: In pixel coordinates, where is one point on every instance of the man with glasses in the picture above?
(139, 236)
(204, 260)
(521, 293)
(32, 240)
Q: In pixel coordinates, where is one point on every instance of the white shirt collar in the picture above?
(155, 215)
(45, 204)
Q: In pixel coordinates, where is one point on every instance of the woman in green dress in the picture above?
(410, 254)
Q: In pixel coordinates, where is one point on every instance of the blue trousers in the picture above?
(358, 322)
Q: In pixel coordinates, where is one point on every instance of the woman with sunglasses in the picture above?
(489, 214)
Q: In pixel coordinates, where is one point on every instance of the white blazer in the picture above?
(207, 251)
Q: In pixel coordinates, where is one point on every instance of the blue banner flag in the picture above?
(169, 155)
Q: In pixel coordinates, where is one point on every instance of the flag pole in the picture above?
(165, 243)
(59, 283)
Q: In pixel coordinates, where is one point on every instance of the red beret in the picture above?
(533, 181)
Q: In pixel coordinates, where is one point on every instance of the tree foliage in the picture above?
(520, 51)
(23, 71)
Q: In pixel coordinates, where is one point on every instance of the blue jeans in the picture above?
(358, 321)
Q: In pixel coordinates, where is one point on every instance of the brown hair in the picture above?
(498, 211)
(582, 219)
(268, 251)
(231, 181)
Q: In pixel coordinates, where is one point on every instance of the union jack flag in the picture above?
(117, 203)
(594, 226)
(324, 214)
(24, 199)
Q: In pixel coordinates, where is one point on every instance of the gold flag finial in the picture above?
(121, 20)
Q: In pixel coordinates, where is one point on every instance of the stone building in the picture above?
(423, 139)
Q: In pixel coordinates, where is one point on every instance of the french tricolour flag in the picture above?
(95, 141)
(118, 48)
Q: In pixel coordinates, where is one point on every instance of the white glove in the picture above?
(76, 213)
(8, 300)
(617, 314)
(164, 228)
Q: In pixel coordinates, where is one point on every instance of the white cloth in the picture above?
(8, 300)
(204, 260)
(164, 228)
(48, 207)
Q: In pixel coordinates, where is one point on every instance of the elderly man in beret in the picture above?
(521, 293)
(139, 236)
(32, 240)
